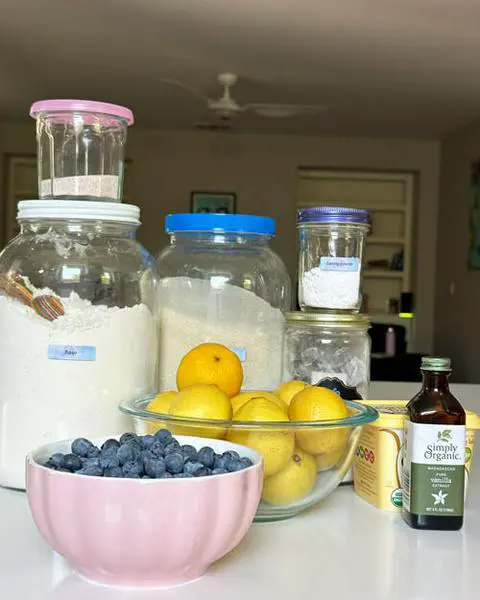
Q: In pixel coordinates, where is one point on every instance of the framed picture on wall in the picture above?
(213, 202)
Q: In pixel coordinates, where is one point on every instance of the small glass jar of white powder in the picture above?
(80, 149)
(78, 334)
(332, 244)
(221, 282)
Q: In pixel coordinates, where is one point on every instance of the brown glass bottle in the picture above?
(435, 405)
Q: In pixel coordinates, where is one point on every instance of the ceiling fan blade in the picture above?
(185, 88)
(278, 111)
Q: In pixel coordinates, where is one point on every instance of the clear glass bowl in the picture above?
(295, 478)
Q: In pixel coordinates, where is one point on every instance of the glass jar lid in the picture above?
(85, 106)
(332, 214)
(312, 319)
(81, 210)
(219, 223)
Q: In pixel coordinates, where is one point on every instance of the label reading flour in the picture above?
(75, 353)
(340, 263)
(433, 469)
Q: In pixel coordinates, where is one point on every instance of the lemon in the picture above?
(276, 446)
(213, 364)
(160, 405)
(319, 404)
(201, 401)
(294, 482)
(241, 399)
(288, 390)
(329, 459)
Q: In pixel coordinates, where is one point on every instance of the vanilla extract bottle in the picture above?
(434, 452)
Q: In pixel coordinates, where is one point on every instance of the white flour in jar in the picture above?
(193, 311)
(330, 289)
(66, 378)
(87, 186)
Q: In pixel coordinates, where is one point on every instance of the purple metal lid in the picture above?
(332, 214)
(87, 106)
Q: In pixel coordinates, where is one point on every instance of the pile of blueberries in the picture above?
(158, 456)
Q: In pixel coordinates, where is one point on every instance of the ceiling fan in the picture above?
(226, 107)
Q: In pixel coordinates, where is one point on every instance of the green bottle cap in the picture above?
(436, 363)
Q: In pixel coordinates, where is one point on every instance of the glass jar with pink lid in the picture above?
(80, 149)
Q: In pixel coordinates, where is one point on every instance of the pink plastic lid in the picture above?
(88, 106)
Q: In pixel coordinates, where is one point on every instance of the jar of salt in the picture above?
(80, 149)
(330, 351)
(332, 244)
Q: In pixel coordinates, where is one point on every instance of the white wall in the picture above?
(262, 170)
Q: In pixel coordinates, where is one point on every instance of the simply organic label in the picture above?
(433, 469)
(340, 263)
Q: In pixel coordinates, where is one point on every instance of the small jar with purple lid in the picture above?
(80, 149)
(331, 252)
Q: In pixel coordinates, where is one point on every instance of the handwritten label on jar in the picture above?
(340, 263)
(75, 353)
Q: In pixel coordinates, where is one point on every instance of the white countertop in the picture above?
(343, 549)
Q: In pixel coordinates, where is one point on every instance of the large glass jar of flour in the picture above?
(329, 350)
(77, 331)
(221, 282)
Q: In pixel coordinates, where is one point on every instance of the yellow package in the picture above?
(378, 458)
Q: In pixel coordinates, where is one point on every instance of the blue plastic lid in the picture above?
(332, 214)
(219, 223)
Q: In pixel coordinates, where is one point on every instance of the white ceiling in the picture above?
(405, 68)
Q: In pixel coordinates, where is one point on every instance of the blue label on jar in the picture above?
(78, 353)
(340, 263)
(241, 353)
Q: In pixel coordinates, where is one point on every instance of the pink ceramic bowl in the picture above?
(143, 533)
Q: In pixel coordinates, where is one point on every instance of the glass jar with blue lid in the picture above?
(331, 251)
(221, 282)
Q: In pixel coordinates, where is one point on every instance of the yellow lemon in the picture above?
(294, 482)
(241, 399)
(214, 364)
(201, 401)
(319, 404)
(276, 446)
(288, 390)
(329, 459)
(160, 405)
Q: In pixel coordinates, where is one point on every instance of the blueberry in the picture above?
(163, 436)
(197, 469)
(167, 475)
(173, 446)
(111, 443)
(108, 458)
(91, 462)
(231, 454)
(71, 462)
(133, 468)
(113, 472)
(55, 460)
(147, 455)
(157, 448)
(219, 471)
(189, 453)
(206, 456)
(128, 452)
(147, 441)
(81, 446)
(155, 468)
(146, 477)
(174, 462)
(232, 465)
(219, 462)
(93, 452)
(60, 470)
(245, 462)
(91, 470)
(182, 475)
(130, 438)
